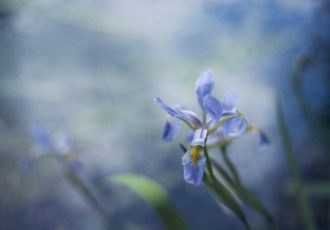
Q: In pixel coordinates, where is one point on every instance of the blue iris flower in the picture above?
(217, 117)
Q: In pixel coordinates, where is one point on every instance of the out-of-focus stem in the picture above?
(293, 166)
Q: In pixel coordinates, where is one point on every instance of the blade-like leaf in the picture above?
(244, 194)
(155, 196)
(226, 198)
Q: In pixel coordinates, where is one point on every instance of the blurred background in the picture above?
(90, 69)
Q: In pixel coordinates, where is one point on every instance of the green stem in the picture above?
(293, 166)
(208, 163)
(230, 164)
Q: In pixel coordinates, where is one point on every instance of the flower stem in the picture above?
(208, 162)
(293, 166)
(230, 164)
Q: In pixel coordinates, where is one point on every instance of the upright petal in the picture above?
(234, 127)
(171, 130)
(229, 102)
(193, 172)
(212, 106)
(199, 137)
(204, 86)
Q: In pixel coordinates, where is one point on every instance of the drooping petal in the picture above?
(212, 106)
(171, 130)
(264, 139)
(235, 126)
(199, 137)
(191, 116)
(229, 102)
(193, 172)
(166, 108)
(172, 111)
(204, 86)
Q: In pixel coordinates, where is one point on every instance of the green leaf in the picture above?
(155, 196)
(244, 194)
(226, 198)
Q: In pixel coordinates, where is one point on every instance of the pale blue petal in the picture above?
(204, 86)
(216, 137)
(171, 111)
(234, 127)
(171, 130)
(193, 173)
(199, 137)
(165, 107)
(212, 106)
(229, 102)
(190, 116)
(189, 137)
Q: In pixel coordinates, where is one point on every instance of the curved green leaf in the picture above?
(244, 194)
(155, 196)
(226, 198)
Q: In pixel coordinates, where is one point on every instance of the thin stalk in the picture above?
(85, 190)
(293, 166)
(208, 163)
(230, 164)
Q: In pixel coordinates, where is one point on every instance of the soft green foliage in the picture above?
(244, 194)
(226, 197)
(155, 196)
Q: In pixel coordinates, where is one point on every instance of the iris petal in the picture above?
(204, 86)
(189, 137)
(212, 106)
(171, 130)
(165, 107)
(190, 116)
(229, 102)
(234, 127)
(264, 139)
(174, 112)
(193, 173)
(199, 137)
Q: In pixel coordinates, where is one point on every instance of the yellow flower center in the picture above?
(195, 153)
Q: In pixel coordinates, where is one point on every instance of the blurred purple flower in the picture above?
(60, 146)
